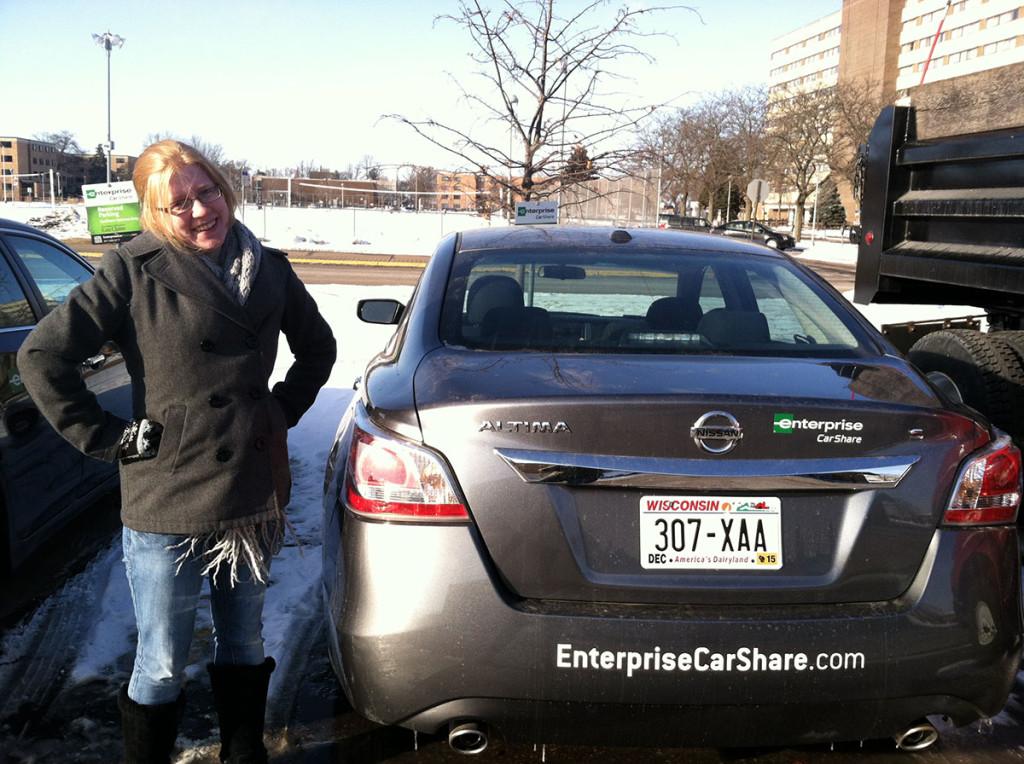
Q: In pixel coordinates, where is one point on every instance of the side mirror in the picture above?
(380, 311)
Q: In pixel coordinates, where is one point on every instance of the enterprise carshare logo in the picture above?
(702, 659)
(786, 424)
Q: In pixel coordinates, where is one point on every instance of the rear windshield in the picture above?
(571, 301)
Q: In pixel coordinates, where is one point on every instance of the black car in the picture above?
(754, 231)
(683, 222)
(44, 482)
(661, 488)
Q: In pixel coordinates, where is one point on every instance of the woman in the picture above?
(196, 306)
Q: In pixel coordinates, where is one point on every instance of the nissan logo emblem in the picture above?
(716, 432)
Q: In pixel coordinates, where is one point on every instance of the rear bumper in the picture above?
(425, 633)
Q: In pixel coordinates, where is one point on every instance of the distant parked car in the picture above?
(752, 230)
(660, 488)
(44, 482)
(683, 222)
(851, 231)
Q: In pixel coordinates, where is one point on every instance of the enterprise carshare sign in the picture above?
(536, 213)
(113, 210)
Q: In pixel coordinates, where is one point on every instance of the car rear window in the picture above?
(664, 302)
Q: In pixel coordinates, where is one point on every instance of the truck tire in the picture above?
(987, 370)
(1015, 339)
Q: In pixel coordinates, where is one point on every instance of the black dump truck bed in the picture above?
(943, 219)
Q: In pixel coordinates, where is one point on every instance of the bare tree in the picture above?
(745, 124)
(368, 168)
(306, 168)
(857, 105)
(544, 77)
(419, 179)
(212, 151)
(667, 145)
(69, 159)
(799, 135)
(703, 148)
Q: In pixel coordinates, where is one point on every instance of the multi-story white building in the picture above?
(803, 60)
(807, 58)
(976, 35)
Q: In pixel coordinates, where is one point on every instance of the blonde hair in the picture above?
(152, 179)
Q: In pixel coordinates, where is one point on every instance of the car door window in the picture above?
(54, 272)
(710, 292)
(14, 308)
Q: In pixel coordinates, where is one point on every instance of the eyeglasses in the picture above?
(205, 195)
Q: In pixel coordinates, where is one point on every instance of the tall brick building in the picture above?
(973, 80)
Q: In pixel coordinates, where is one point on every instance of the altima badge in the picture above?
(717, 432)
(524, 426)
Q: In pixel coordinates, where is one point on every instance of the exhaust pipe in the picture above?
(917, 737)
(469, 738)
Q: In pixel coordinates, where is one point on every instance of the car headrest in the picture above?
(490, 292)
(672, 314)
(734, 328)
(508, 326)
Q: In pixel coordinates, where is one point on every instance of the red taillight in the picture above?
(988, 489)
(869, 238)
(388, 478)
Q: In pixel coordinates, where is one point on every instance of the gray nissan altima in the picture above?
(660, 488)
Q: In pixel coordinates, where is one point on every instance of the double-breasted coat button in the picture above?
(218, 401)
(223, 454)
(206, 346)
(255, 393)
(260, 443)
(252, 341)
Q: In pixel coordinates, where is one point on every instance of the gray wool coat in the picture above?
(199, 364)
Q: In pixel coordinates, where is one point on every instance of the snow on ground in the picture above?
(376, 231)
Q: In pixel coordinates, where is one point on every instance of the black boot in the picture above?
(240, 696)
(149, 731)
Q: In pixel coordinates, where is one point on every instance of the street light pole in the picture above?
(814, 219)
(513, 101)
(108, 41)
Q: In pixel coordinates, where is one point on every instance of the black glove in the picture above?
(141, 440)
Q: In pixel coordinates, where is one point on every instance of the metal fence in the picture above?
(626, 202)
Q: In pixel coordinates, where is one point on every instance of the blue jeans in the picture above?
(165, 612)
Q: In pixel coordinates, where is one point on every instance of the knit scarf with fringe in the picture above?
(248, 545)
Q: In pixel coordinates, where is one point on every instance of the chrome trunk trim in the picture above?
(843, 474)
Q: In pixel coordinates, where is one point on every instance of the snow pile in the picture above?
(65, 221)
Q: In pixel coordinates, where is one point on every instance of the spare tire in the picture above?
(986, 368)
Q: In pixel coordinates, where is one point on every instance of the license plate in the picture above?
(711, 532)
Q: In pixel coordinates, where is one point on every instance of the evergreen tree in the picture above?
(831, 213)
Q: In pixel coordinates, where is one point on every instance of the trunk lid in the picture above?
(847, 474)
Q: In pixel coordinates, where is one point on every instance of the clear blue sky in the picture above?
(308, 80)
